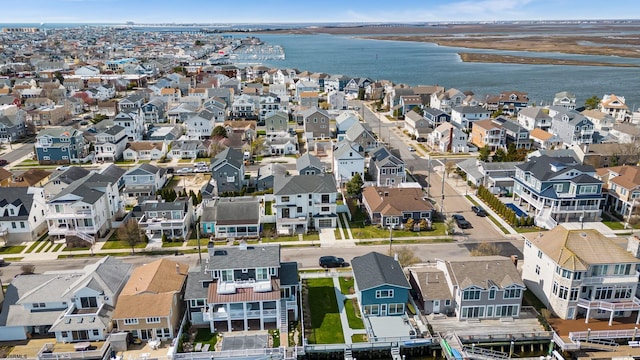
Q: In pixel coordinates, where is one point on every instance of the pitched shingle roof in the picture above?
(304, 184)
(374, 269)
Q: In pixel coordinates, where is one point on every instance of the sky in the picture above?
(306, 11)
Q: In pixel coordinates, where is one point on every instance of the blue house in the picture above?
(380, 284)
(60, 145)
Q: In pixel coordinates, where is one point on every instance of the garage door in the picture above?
(325, 223)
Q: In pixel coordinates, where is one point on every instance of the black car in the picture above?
(332, 262)
(3, 162)
(479, 211)
(461, 221)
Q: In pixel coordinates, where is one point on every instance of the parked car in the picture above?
(200, 164)
(184, 171)
(3, 162)
(461, 221)
(479, 211)
(201, 169)
(411, 148)
(170, 170)
(62, 167)
(332, 262)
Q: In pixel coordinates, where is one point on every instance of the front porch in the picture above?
(612, 308)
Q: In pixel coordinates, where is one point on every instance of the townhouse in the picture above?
(488, 133)
(170, 219)
(60, 145)
(385, 168)
(448, 138)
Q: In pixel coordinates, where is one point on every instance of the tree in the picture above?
(484, 153)
(449, 226)
(27, 269)
(592, 103)
(486, 249)
(361, 94)
(58, 75)
(257, 146)
(219, 132)
(499, 155)
(406, 256)
(216, 147)
(130, 232)
(449, 167)
(354, 186)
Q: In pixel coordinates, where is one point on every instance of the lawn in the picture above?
(15, 249)
(114, 243)
(171, 244)
(33, 246)
(360, 230)
(355, 322)
(267, 208)
(346, 284)
(205, 336)
(325, 319)
(359, 338)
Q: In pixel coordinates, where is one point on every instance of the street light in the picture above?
(390, 238)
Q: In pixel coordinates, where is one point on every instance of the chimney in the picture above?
(395, 257)
(514, 260)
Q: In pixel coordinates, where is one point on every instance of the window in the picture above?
(285, 199)
(506, 310)
(96, 332)
(131, 321)
(383, 294)
(472, 312)
(622, 269)
(22, 224)
(262, 274)
(573, 296)
(38, 305)
(588, 189)
(153, 320)
(512, 293)
(492, 293)
(371, 309)
(395, 309)
(540, 254)
(64, 334)
(447, 302)
(226, 275)
(538, 269)
(196, 303)
(13, 224)
(88, 302)
(599, 270)
(324, 209)
(471, 294)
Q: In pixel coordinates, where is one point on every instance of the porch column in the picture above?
(228, 309)
(244, 315)
(261, 316)
(638, 318)
(611, 318)
(586, 318)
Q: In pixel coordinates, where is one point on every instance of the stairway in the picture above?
(544, 219)
(395, 353)
(604, 345)
(81, 235)
(284, 323)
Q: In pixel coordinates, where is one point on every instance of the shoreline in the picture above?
(510, 59)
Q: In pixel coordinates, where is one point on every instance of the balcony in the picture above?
(71, 230)
(574, 208)
(161, 223)
(630, 305)
(241, 314)
(610, 279)
(71, 214)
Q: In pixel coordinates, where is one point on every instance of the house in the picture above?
(32, 177)
(337, 100)
(150, 304)
(558, 190)
(626, 133)
(267, 173)
(495, 176)
(474, 288)
(145, 150)
(153, 112)
(227, 171)
(72, 306)
(466, 116)
(448, 138)
(172, 219)
(244, 107)
(509, 102)
(615, 106)
(282, 143)
(574, 276)
(544, 140)
(133, 123)
(416, 125)
(514, 133)
(571, 126)
(392, 207)
(345, 120)
(607, 155)
(12, 124)
(445, 100)
(308, 164)
(237, 217)
(316, 123)
(385, 168)
(143, 180)
(435, 117)
(131, 103)
(380, 285)
(565, 99)
(305, 201)
(61, 179)
(22, 213)
(347, 161)
(187, 149)
(200, 125)
(621, 188)
(180, 113)
(60, 145)
(409, 102)
(165, 134)
(277, 121)
(488, 133)
(245, 287)
(361, 134)
(535, 118)
(85, 208)
(110, 143)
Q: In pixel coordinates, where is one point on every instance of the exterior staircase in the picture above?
(600, 344)
(395, 353)
(477, 352)
(544, 219)
(284, 323)
(81, 235)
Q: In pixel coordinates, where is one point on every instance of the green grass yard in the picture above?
(325, 319)
(355, 321)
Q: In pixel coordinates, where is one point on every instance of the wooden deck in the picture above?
(33, 346)
(564, 327)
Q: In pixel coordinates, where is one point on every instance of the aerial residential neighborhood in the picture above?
(161, 199)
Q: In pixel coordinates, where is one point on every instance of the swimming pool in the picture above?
(519, 213)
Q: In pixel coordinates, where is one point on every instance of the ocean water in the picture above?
(416, 63)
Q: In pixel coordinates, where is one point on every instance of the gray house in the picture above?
(362, 136)
(571, 126)
(143, 180)
(235, 217)
(385, 168)
(308, 164)
(276, 122)
(227, 171)
(12, 126)
(316, 123)
(267, 173)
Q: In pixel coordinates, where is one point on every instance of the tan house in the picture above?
(545, 140)
(150, 306)
(622, 189)
(488, 133)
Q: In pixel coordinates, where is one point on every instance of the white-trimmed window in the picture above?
(371, 309)
(588, 189)
(194, 303)
(131, 321)
(394, 309)
(384, 294)
(512, 293)
(153, 320)
(471, 294)
(262, 274)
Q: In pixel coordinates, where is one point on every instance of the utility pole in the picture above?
(428, 175)
(198, 237)
(443, 175)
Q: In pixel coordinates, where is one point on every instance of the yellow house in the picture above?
(150, 306)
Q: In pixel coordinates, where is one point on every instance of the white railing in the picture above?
(613, 279)
(577, 336)
(610, 306)
(268, 353)
(563, 345)
(575, 207)
(249, 314)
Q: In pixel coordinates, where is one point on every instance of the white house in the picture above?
(347, 161)
(345, 120)
(145, 150)
(448, 138)
(133, 123)
(465, 116)
(110, 143)
(200, 125)
(23, 210)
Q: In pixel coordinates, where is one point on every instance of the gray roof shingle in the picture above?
(374, 269)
